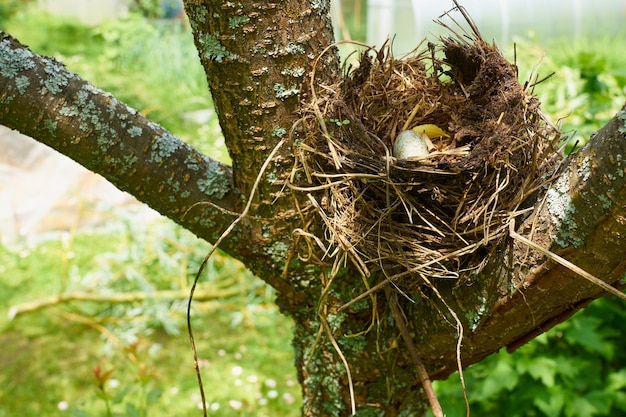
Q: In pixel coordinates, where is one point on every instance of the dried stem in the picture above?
(226, 232)
(419, 365)
(564, 262)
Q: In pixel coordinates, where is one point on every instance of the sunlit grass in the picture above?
(588, 82)
(49, 356)
(56, 360)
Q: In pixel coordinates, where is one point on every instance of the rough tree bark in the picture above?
(257, 55)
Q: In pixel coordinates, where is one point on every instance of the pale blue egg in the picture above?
(409, 144)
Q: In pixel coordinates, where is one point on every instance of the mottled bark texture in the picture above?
(257, 55)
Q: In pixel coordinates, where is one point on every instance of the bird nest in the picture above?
(429, 215)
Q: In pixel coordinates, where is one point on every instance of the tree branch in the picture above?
(581, 218)
(42, 99)
(125, 297)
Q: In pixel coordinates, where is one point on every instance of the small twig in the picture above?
(322, 314)
(567, 264)
(416, 269)
(329, 333)
(206, 259)
(459, 342)
(129, 297)
(468, 19)
(421, 369)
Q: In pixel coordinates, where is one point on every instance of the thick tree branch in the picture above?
(581, 217)
(42, 99)
(257, 55)
(584, 220)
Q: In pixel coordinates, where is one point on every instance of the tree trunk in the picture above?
(257, 56)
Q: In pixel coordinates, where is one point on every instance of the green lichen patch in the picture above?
(283, 92)
(58, 77)
(50, 125)
(279, 131)
(605, 202)
(14, 61)
(192, 164)
(214, 183)
(213, 49)
(562, 210)
(279, 251)
(294, 48)
(128, 161)
(163, 146)
(22, 83)
(135, 131)
(271, 178)
(235, 21)
(296, 72)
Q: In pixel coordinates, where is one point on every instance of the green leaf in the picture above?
(502, 377)
(619, 400)
(552, 403)
(132, 410)
(153, 396)
(617, 380)
(569, 367)
(592, 404)
(580, 407)
(120, 395)
(543, 369)
(595, 403)
(586, 332)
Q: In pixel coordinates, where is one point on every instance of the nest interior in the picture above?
(438, 215)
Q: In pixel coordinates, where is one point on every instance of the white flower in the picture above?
(236, 370)
(235, 404)
(288, 398)
(63, 405)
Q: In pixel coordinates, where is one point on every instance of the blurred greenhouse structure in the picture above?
(499, 20)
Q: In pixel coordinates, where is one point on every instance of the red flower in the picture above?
(101, 376)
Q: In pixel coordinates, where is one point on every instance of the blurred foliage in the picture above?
(577, 369)
(8, 8)
(588, 85)
(133, 358)
(158, 9)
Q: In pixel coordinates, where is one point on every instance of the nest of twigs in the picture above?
(436, 215)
